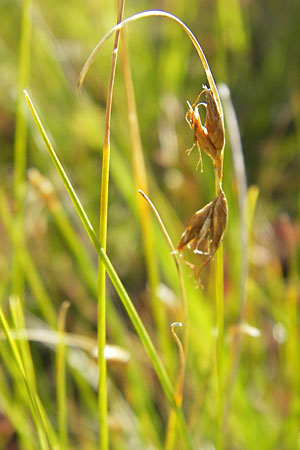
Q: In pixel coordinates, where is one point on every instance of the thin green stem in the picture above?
(219, 294)
(292, 347)
(61, 378)
(44, 428)
(102, 383)
(20, 143)
(178, 268)
(128, 305)
(219, 344)
(23, 345)
(171, 429)
(155, 13)
(28, 365)
(178, 393)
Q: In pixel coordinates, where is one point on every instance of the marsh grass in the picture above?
(145, 338)
(239, 381)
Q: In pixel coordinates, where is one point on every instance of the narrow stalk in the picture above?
(25, 355)
(20, 143)
(23, 345)
(150, 425)
(128, 305)
(171, 430)
(219, 294)
(23, 349)
(43, 427)
(155, 13)
(141, 182)
(292, 350)
(218, 172)
(61, 378)
(178, 393)
(101, 298)
(178, 268)
(219, 344)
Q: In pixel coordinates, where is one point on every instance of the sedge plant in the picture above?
(136, 321)
(261, 376)
(211, 138)
(101, 245)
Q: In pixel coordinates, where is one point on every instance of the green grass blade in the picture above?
(32, 399)
(20, 143)
(25, 355)
(61, 378)
(134, 317)
(101, 297)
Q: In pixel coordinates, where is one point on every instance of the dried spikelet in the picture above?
(197, 233)
(219, 223)
(205, 231)
(211, 136)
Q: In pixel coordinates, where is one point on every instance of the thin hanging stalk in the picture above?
(124, 297)
(155, 13)
(158, 13)
(178, 393)
(178, 268)
(20, 144)
(102, 383)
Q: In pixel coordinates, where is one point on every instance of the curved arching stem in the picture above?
(155, 13)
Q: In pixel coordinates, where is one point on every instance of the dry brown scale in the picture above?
(207, 226)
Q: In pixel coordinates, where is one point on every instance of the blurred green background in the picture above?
(251, 46)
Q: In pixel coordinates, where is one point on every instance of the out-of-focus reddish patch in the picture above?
(6, 433)
(286, 239)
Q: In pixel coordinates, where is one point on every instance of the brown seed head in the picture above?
(211, 136)
(206, 230)
(213, 123)
(219, 221)
(197, 231)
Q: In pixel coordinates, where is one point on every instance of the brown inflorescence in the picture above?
(207, 226)
(210, 137)
(205, 231)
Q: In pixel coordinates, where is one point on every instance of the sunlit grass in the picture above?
(48, 388)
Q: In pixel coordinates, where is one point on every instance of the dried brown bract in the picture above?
(211, 136)
(205, 231)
